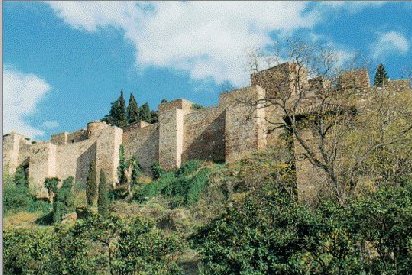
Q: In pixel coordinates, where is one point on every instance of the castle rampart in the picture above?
(227, 132)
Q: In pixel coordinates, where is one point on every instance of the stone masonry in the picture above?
(225, 133)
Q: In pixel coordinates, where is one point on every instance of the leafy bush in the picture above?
(20, 177)
(186, 190)
(18, 198)
(157, 171)
(29, 251)
(188, 168)
(182, 187)
(155, 188)
(270, 232)
(64, 202)
(51, 185)
(95, 245)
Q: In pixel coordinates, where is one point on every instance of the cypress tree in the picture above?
(135, 171)
(145, 114)
(20, 177)
(132, 110)
(91, 185)
(103, 199)
(51, 185)
(64, 200)
(381, 77)
(122, 117)
(121, 170)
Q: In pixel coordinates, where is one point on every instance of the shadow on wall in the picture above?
(210, 144)
(148, 153)
(83, 163)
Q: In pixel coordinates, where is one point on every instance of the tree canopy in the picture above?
(380, 76)
(133, 114)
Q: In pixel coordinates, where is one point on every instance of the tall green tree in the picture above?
(145, 114)
(154, 117)
(64, 200)
(20, 177)
(117, 114)
(121, 170)
(132, 110)
(381, 77)
(103, 199)
(91, 185)
(51, 185)
(136, 171)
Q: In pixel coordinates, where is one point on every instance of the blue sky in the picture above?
(64, 62)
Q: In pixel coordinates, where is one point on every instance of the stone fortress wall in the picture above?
(227, 132)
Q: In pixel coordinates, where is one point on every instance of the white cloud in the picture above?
(389, 43)
(50, 124)
(207, 39)
(351, 6)
(21, 94)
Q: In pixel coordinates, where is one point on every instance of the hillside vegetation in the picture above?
(240, 218)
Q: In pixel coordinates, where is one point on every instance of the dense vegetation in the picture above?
(271, 232)
(182, 187)
(95, 245)
(18, 197)
(255, 231)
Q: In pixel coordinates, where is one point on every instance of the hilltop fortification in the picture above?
(227, 132)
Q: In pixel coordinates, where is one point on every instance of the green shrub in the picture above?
(157, 171)
(18, 198)
(29, 251)
(270, 232)
(182, 187)
(186, 190)
(144, 192)
(51, 185)
(188, 168)
(64, 200)
(95, 245)
(118, 192)
(20, 177)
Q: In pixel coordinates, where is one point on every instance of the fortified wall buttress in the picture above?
(235, 128)
(66, 154)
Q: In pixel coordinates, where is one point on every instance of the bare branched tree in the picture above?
(327, 114)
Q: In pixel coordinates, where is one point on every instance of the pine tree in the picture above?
(145, 112)
(132, 110)
(103, 199)
(117, 115)
(122, 117)
(381, 76)
(121, 170)
(91, 185)
(154, 117)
